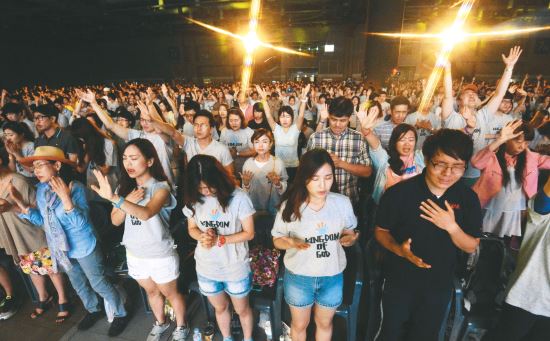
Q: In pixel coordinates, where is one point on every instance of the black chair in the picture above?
(374, 282)
(353, 284)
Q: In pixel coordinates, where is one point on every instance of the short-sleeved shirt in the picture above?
(229, 262)
(423, 134)
(238, 139)
(150, 238)
(349, 146)
(322, 230)
(61, 139)
(399, 213)
(26, 150)
(163, 150)
(286, 144)
(383, 131)
(216, 149)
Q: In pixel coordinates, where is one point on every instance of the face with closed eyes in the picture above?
(319, 184)
(135, 162)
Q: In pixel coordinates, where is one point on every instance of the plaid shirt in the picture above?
(349, 146)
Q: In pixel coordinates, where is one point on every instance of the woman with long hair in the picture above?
(312, 225)
(19, 143)
(143, 203)
(237, 138)
(27, 244)
(259, 121)
(509, 176)
(219, 217)
(264, 176)
(287, 131)
(100, 152)
(62, 208)
(401, 161)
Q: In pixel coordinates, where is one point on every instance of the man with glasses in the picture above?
(424, 222)
(50, 134)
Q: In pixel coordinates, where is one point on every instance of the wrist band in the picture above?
(119, 202)
(221, 240)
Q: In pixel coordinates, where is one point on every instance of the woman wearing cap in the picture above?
(62, 208)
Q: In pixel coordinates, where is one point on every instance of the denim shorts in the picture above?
(303, 291)
(237, 289)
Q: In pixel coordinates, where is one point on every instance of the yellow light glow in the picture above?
(452, 36)
(251, 42)
(464, 35)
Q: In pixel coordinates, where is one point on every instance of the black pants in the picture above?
(516, 324)
(413, 313)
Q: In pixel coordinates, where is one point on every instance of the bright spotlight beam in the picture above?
(495, 33)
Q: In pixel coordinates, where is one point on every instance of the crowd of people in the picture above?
(333, 163)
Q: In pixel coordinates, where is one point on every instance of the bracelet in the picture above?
(303, 100)
(119, 202)
(221, 240)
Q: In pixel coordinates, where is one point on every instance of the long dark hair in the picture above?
(528, 135)
(297, 192)
(207, 169)
(93, 137)
(20, 128)
(259, 107)
(395, 162)
(128, 184)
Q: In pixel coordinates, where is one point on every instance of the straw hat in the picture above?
(46, 153)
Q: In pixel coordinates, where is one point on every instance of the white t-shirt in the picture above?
(216, 149)
(286, 144)
(163, 150)
(240, 139)
(150, 238)
(229, 262)
(322, 230)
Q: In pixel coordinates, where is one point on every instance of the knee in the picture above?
(221, 308)
(153, 293)
(242, 310)
(299, 325)
(323, 323)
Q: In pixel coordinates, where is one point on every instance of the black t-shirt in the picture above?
(252, 124)
(61, 139)
(399, 212)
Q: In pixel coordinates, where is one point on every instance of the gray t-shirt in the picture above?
(423, 133)
(264, 195)
(216, 149)
(150, 238)
(26, 150)
(322, 230)
(229, 262)
(240, 139)
(286, 144)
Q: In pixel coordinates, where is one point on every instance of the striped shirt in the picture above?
(383, 131)
(349, 146)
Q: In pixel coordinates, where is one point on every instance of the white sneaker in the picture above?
(180, 334)
(157, 331)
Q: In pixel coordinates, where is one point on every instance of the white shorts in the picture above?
(160, 270)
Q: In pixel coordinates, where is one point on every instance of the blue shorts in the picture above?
(303, 291)
(240, 288)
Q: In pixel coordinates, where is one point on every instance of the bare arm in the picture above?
(301, 111)
(447, 103)
(103, 116)
(504, 82)
(267, 109)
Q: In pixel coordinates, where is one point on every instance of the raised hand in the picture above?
(60, 188)
(104, 190)
(246, 176)
(324, 112)
(261, 92)
(507, 132)
(305, 90)
(406, 253)
(513, 57)
(88, 96)
(368, 120)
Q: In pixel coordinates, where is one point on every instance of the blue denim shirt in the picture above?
(76, 223)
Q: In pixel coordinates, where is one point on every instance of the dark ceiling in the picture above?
(67, 20)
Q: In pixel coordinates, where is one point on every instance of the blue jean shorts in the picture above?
(304, 291)
(237, 289)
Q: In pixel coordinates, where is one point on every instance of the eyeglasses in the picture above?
(122, 119)
(41, 164)
(40, 117)
(441, 167)
(143, 120)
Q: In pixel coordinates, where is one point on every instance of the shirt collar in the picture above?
(344, 133)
